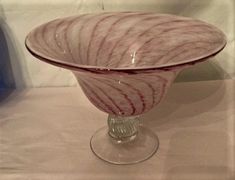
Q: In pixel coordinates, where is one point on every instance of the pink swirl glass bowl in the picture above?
(125, 63)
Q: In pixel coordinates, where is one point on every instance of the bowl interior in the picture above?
(125, 40)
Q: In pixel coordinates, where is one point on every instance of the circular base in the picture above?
(136, 149)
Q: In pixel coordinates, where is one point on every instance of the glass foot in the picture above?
(129, 150)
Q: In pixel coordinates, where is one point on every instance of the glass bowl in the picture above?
(125, 62)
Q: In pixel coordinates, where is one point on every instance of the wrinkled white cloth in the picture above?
(45, 134)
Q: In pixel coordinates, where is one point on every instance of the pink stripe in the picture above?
(93, 34)
(85, 90)
(142, 34)
(155, 36)
(46, 48)
(47, 30)
(121, 93)
(176, 49)
(79, 41)
(110, 29)
(70, 26)
(184, 50)
(139, 94)
(110, 109)
(65, 37)
(127, 32)
(161, 40)
(150, 87)
(120, 111)
(56, 33)
(164, 83)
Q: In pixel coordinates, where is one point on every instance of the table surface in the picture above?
(45, 133)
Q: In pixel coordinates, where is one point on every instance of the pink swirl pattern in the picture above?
(125, 61)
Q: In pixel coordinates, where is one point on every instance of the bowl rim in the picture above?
(75, 66)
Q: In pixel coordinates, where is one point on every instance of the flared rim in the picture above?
(76, 66)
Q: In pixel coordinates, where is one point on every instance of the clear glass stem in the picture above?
(124, 141)
(123, 129)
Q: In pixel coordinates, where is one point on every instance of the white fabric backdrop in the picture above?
(19, 17)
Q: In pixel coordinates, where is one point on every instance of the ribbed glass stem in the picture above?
(123, 128)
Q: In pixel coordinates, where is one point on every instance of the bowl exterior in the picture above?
(125, 94)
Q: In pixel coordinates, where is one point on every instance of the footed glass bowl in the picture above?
(125, 63)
